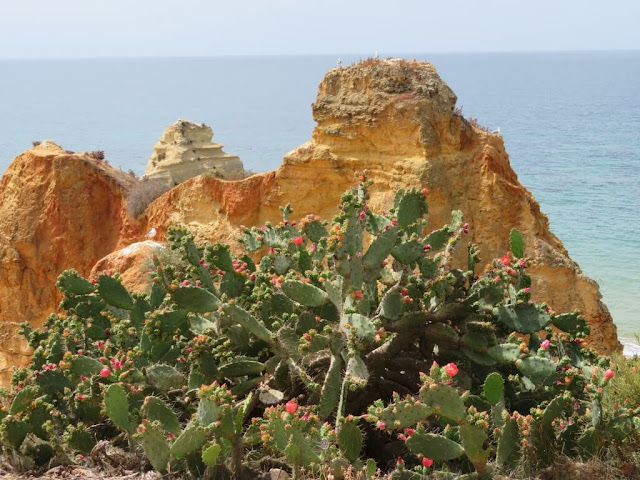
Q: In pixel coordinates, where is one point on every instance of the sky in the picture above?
(177, 28)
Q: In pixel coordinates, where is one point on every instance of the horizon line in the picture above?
(293, 55)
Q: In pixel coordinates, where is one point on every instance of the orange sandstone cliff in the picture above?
(393, 118)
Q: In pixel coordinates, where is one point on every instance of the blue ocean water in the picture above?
(571, 124)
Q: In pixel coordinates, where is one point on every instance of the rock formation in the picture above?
(395, 119)
(186, 150)
(57, 211)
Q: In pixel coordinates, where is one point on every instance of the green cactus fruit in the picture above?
(505, 353)
(350, 440)
(391, 305)
(114, 293)
(22, 400)
(523, 318)
(210, 454)
(164, 377)
(195, 299)
(569, 322)
(357, 372)
(434, 446)
(508, 443)
(494, 388)
(411, 207)
(155, 409)
(437, 239)
(192, 438)
(476, 446)
(408, 252)
(240, 368)
(157, 295)
(379, 249)
(70, 282)
(248, 321)
(361, 326)
(232, 284)
(155, 447)
(536, 368)
(445, 401)
(36, 448)
(116, 403)
(304, 293)
(516, 241)
(82, 365)
(330, 393)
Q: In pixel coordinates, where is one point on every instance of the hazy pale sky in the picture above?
(116, 28)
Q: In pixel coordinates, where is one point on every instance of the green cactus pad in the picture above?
(380, 249)
(536, 368)
(304, 293)
(155, 409)
(52, 381)
(281, 264)
(437, 239)
(248, 321)
(508, 443)
(569, 322)
(553, 410)
(190, 440)
(70, 282)
(232, 284)
(330, 393)
(442, 335)
(22, 400)
(516, 241)
(300, 451)
(408, 252)
(315, 231)
(474, 440)
(434, 446)
(350, 441)
(392, 304)
(114, 293)
(199, 325)
(505, 353)
(37, 449)
(116, 404)
(445, 401)
(87, 366)
(210, 454)
(158, 293)
(155, 447)
(164, 377)
(524, 318)
(357, 371)
(494, 388)
(402, 414)
(411, 207)
(208, 411)
(360, 325)
(195, 299)
(240, 368)
(219, 256)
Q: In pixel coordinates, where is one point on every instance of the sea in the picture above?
(570, 122)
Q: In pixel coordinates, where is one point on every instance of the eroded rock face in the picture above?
(186, 150)
(57, 211)
(395, 119)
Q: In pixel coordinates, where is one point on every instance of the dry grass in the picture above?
(142, 193)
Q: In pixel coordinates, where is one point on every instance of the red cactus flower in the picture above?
(426, 462)
(451, 369)
(298, 241)
(609, 374)
(506, 260)
(291, 406)
(105, 372)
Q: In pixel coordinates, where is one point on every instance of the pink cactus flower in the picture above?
(105, 373)
(451, 369)
(546, 344)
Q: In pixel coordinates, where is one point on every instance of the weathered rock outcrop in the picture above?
(186, 150)
(57, 211)
(395, 119)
